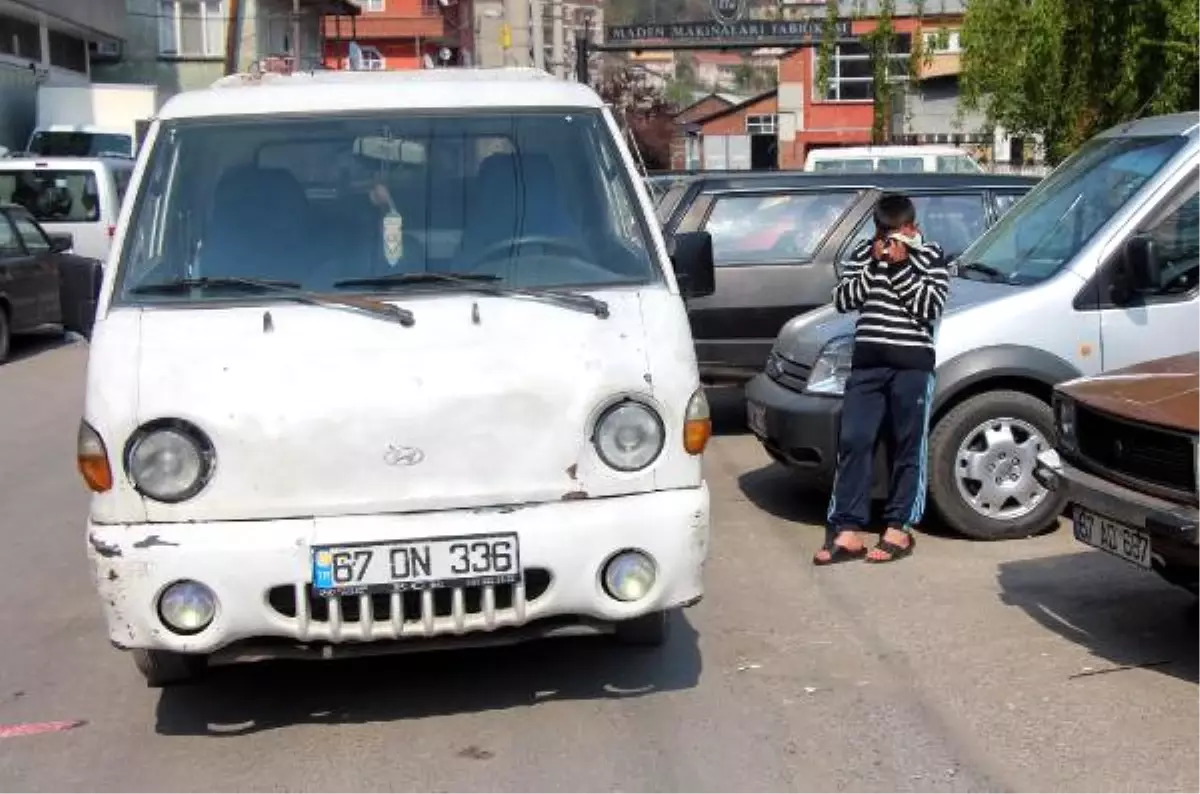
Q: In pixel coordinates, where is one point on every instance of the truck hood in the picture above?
(315, 410)
(803, 337)
(1164, 392)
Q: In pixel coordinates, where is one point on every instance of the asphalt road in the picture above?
(1030, 665)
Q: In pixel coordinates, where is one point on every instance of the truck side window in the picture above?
(1177, 236)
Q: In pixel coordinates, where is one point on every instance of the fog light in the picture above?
(629, 576)
(187, 607)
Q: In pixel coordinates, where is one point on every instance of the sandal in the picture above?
(837, 552)
(893, 551)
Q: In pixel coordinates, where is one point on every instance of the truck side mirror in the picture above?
(1139, 269)
(693, 262)
(61, 242)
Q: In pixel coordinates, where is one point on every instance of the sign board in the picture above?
(745, 33)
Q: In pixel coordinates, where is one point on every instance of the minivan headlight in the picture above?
(629, 436)
(169, 460)
(832, 367)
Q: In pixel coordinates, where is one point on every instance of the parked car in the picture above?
(80, 196)
(558, 489)
(891, 159)
(779, 239)
(41, 285)
(1126, 462)
(1094, 270)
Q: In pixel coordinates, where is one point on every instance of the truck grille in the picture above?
(1148, 454)
(391, 616)
(788, 374)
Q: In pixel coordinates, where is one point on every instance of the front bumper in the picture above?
(801, 431)
(1172, 527)
(261, 572)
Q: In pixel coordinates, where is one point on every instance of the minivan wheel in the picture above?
(648, 631)
(164, 668)
(982, 456)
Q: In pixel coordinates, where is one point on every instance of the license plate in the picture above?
(756, 418)
(426, 564)
(1118, 540)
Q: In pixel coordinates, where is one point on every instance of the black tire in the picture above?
(648, 631)
(165, 668)
(944, 442)
(5, 334)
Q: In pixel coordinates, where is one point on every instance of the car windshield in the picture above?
(1046, 229)
(529, 200)
(80, 144)
(53, 195)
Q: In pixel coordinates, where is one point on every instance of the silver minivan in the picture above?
(1093, 270)
(79, 196)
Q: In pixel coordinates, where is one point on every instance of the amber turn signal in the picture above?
(697, 423)
(92, 459)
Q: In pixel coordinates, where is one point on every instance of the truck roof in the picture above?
(348, 91)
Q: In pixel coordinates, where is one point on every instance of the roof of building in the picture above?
(245, 95)
(734, 108)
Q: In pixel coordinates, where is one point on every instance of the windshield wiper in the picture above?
(289, 290)
(483, 283)
(990, 272)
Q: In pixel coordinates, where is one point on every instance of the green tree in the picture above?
(1067, 69)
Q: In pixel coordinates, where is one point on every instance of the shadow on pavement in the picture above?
(1123, 615)
(245, 699)
(29, 345)
(780, 492)
(728, 407)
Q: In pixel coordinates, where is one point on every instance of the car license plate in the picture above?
(469, 561)
(1117, 539)
(756, 418)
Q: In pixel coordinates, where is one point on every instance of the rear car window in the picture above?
(53, 195)
(900, 165)
(775, 227)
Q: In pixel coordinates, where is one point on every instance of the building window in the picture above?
(760, 125)
(191, 28)
(20, 38)
(373, 60)
(943, 41)
(68, 52)
(850, 73)
(371, 5)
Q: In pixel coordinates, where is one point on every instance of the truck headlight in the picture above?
(169, 460)
(1064, 420)
(629, 436)
(832, 367)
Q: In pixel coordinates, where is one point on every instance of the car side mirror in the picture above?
(1139, 269)
(693, 262)
(61, 242)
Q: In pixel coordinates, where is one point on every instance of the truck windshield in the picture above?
(80, 144)
(530, 200)
(1046, 229)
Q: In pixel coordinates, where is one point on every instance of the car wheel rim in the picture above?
(993, 468)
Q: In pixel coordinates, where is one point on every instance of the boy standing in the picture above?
(898, 282)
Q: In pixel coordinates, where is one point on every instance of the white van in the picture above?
(391, 359)
(80, 196)
(891, 159)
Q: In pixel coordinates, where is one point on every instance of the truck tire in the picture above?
(164, 668)
(648, 631)
(982, 455)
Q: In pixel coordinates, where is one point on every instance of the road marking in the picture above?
(33, 728)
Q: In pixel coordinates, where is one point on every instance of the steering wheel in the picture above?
(504, 246)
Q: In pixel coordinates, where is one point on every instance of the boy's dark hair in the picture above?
(892, 211)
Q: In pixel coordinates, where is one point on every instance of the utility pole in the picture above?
(558, 39)
(538, 27)
(231, 37)
(583, 52)
(296, 29)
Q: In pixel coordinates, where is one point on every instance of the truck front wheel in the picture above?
(982, 456)
(164, 668)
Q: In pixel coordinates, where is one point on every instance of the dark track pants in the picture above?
(897, 401)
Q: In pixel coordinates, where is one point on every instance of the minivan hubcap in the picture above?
(993, 468)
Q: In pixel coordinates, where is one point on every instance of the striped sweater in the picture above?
(898, 306)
